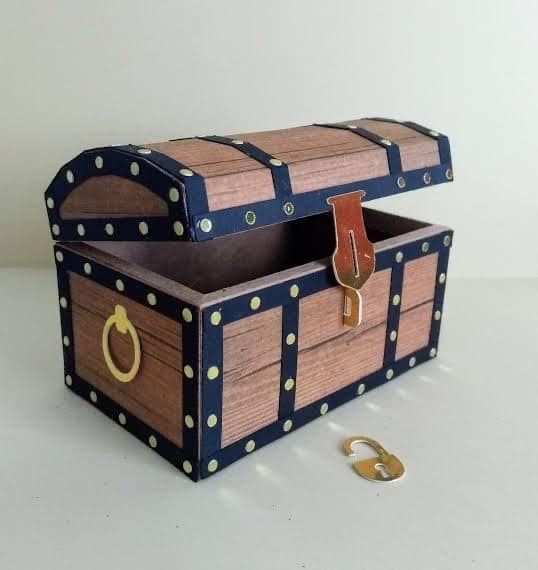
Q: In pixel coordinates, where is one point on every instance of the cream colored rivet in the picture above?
(399, 257)
(87, 268)
(216, 318)
(59, 256)
(188, 371)
(389, 374)
(120, 285)
(122, 419)
(433, 352)
(446, 241)
(135, 168)
(425, 247)
(288, 424)
(173, 194)
(70, 176)
(290, 339)
(442, 278)
(189, 422)
(361, 389)
(400, 181)
(396, 300)
(109, 229)
(437, 315)
(63, 302)
(352, 126)
(412, 361)
(212, 466)
(179, 230)
(255, 303)
(206, 225)
(393, 335)
(69, 380)
(213, 372)
(212, 420)
(151, 298)
(187, 467)
(186, 172)
(294, 291)
(143, 151)
(324, 408)
(427, 177)
(143, 228)
(449, 174)
(50, 203)
(152, 441)
(275, 162)
(93, 397)
(288, 208)
(434, 134)
(250, 446)
(81, 230)
(250, 218)
(187, 315)
(99, 162)
(386, 142)
(289, 384)
(56, 229)
(66, 341)
(237, 141)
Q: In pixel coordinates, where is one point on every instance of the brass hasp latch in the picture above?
(353, 258)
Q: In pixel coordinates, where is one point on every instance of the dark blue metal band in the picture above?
(279, 170)
(288, 368)
(393, 150)
(393, 317)
(440, 286)
(190, 386)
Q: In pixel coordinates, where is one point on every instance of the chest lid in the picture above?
(201, 188)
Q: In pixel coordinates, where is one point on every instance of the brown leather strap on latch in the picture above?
(353, 258)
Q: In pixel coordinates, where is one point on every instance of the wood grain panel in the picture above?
(111, 197)
(419, 281)
(155, 394)
(414, 329)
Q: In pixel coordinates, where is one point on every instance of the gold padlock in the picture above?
(384, 467)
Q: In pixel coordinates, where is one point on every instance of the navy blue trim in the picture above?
(190, 333)
(393, 150)
(66, 320)
(280, 174)
(288, 367)
(393, 317)
(439, 295)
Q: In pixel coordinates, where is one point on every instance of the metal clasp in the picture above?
(353, 259)
(383, 467)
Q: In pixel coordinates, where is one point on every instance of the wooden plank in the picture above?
(419, 281)
(414, 330)
(155, 394)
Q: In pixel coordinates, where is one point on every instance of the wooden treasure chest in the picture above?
(218, 292)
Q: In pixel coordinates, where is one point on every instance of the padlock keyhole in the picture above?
(381, 467)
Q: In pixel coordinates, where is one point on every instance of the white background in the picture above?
(81, 74)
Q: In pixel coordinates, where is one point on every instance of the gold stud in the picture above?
(135, 168)
(212, 466)
(188, 371)
(186, 313)
(275, 162)
(81, 230)
(189, 422)
(389, 374)
(437, 315)
(290, 339)
(93, 397)
(386, 142)
(352, 127)
(50, 203)
(442, 278)
(173, 194)
(399, 257)
(215, 318)
(66, 341)
(69, 380)
(187, 467)
(59, 256)
(250, 446)
(289, 384)
(87, 269)
(396, 300)
(213, 372)
(425, 247)
(206, 225)
(446, 241)
(186, 172)
(109, 229)
(427, 177)
(288, 208)
(152, 441)
(120, 286)
(70, 176)
(400, 181)
(393, 335)
(324, 408)
(361, 389)
(63, 302)
(412, 361)
(250, 218)
(179, 230)
(143, 228)
(294, 291)
(288, 424)
(99, 162)
(433, 352)
(122, 419)
(255, 303)
(56, 229)
(434, 134)
(143, 151)
(449, 174)
(152, 299)
(237, 141)
(212, 420)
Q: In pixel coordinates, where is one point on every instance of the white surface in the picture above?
(77, 75)
(77, 491)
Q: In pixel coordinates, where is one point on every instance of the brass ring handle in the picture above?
(124, 326)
